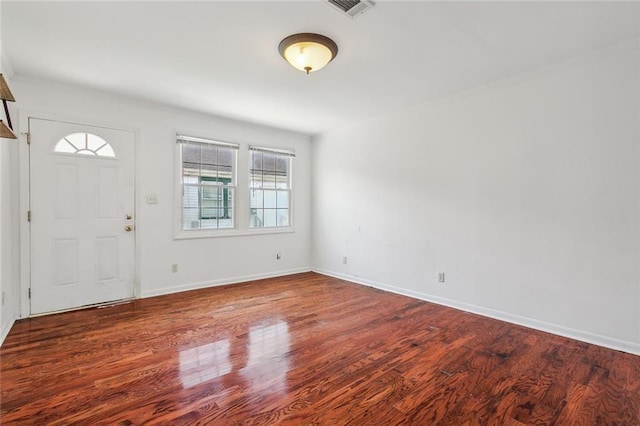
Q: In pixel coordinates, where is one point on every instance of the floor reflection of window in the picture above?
(268, 362)
(204, 363)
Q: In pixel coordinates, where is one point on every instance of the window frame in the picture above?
(242, 202)
(290, 154)
(180, 232)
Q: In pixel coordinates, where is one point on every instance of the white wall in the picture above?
(202, 262)
(2, 203)
(9, 261)
(9, 234)
(525, 193)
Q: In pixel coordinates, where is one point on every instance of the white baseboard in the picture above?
(584, 336)
(220, 282)
(6, 328)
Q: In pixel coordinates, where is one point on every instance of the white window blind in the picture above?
(195, 140)
(283, 152)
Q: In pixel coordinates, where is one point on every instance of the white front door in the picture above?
(82, 215)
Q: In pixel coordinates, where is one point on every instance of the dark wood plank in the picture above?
(304, 350)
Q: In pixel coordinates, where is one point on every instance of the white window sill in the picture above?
(220, 233)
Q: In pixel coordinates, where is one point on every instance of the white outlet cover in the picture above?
(152, 199)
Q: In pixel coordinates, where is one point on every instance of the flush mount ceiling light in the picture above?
(308, 52)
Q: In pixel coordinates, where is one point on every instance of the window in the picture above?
(208, 183)
(84, 144)
(270, 187)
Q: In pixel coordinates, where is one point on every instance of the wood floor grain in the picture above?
(305, 350)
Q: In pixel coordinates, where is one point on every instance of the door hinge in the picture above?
(28, 138)
(29, 292)
(29, 216)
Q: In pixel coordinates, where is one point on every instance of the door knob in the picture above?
(128, 228)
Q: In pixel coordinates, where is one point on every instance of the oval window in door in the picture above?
(85, 144)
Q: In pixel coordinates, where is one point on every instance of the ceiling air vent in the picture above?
(351, 8)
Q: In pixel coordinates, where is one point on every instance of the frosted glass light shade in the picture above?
(308, 52)
(308, 56)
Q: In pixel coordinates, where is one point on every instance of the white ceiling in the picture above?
(222, 57)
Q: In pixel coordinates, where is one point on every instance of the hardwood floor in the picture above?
(305, 349)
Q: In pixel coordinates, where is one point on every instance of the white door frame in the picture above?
(25, 197)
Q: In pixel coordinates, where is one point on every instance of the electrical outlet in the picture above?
(344, 260)
(174, 268)
(152, 199)
(440, 277)
(278, 256)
